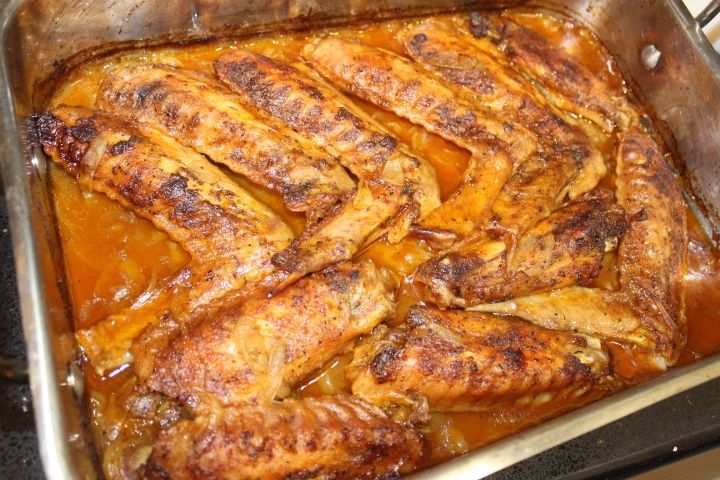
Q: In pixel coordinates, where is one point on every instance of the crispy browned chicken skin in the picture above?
(454, 56)
(339, 437)
(648, 309)
(568, 84)
(463, 361)
(229, 235)
(214, 352)
(397, 84)
(202, 115)
(246, 352)
(652, 255)
(391, 182)
(562, 250)
(569, 164)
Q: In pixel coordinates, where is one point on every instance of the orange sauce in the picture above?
(111, 255)
(702, 293)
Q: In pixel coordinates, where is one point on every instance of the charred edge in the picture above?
(480, 81)
(341, 282)
(615, 222)
(146, 91)
(48, 128)
(450, 271)
(188, 210)
(248, 77)
(185, 201)
(416, 43)
(462, 125)
(153, 471)
(574, 368)
(313, 92)
(69, 143)
(124, 146)
(290, 259)
(385, 363)
(586, 216)
(514, 358)
(591, 222)
(84, 130)
(415, 316)
(255, 79)
(344, 114)
(296, 195)
(132, 191)
(480, 25)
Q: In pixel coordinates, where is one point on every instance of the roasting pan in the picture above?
(657, 44)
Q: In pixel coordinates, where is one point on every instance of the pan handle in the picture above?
(708, 13)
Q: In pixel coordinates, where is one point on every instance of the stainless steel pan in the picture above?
(656, 42)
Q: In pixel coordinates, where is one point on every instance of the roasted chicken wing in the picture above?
(230, 236)
(648, 309)
(541, 179)
(339, 437)
(533, 192)
(202, 115)
(562, 250)
(462, 361)
(593, 311)
(570, 164)
(248, 351)
(567, 83)
(652, 257)
(452, 55)
(391, 182)
(397, 84)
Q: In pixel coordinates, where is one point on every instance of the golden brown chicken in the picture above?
(258, 316)
(200, 114)
(486, 81)
(339, 437)
(449, 54)
(391, 182)
(562, 250)
(608, 314)
(648, 309)
(248, 351)
(533, 192)
(536, 188)
(396, 84)
(463, 361)
(229, 235)
(652, 257)
(570, 165)
(567, 83)
(467, 209)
